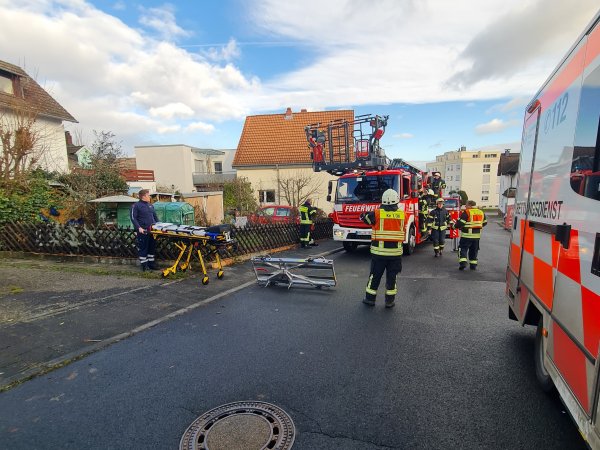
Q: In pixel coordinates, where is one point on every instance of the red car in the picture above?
(275, 214)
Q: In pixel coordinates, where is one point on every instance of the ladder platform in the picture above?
(314, 271)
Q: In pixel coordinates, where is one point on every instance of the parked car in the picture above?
(275, 214)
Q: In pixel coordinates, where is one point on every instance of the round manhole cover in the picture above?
(241, 426)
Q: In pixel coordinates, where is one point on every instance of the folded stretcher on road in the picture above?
(312, 271)
(200, 241)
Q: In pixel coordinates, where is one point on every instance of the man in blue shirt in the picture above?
(143, 217)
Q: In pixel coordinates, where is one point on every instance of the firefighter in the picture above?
(438, 221)
(437, 184)
(470, 223)
(143, 217)
(424, 197)
(306, 224)
(387, 237)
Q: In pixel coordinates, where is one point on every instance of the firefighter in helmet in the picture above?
(306, 224)
(387, 237)
(470, 223)
(438, 221)
(437, 184)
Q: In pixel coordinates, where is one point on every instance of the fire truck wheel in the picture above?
(409, 248)
(540, 371)
(350, 246)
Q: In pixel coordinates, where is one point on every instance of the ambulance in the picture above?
(553, 269)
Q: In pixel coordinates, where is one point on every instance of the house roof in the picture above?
(271, 139)
(34, 97)
(508, 164)
(115, 199)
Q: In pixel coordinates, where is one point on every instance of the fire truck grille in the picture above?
(350, 220)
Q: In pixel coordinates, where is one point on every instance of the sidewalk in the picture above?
(53, 312)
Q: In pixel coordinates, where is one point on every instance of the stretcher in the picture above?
(312, 271)
(195, 241)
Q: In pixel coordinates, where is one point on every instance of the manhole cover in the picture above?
(241, 426)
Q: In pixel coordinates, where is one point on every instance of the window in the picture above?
(449, 168)
(199, 166)
(585, 166)
(267, 196)
(6, 84)
(490, 155)
(486, 167)
(485, 179)
(457, 178)
(475, 156)
(450, 178)
(458, 167)
(484, 198)
(218, 167)
(282, 212)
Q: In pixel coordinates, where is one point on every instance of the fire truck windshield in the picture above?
(365, 189)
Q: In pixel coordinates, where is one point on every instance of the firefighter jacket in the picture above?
(424, 204)
(439, 219)
(437, 185)
(470, 223)
(306, 214)
(388, 226)
(143, 215)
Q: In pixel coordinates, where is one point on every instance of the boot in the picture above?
(368, 301)
(144, 267)
(152, 265)
(436, 253)
(473, 267)
(390, 303)
(462, 266)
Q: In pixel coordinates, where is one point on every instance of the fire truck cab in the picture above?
(553, 269)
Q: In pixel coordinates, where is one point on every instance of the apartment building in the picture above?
(474, 172)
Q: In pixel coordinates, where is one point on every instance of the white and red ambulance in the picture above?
(553, 273)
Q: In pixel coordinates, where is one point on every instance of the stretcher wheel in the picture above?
(220, 274)
(165, 273)
(205, 281)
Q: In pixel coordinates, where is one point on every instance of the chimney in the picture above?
(303, 110)
(288, 114)
(69, 139)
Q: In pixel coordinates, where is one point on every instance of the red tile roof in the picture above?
(34, 96)
(280, 138)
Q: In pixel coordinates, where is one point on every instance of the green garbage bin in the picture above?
(180, 213)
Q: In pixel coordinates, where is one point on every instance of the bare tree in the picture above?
(298, 187)
(23, 144)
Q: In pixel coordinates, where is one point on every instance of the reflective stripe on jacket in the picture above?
(471, 222)
(439, 219)
(305, 213)
(388, 233)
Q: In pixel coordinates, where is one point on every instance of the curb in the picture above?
(80, 354)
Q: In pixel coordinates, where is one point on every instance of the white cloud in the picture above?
(495, 126)
(169, 129)
(403, 136)
(171, 110)
(227, 52)
(202, 127)
(517, 103)
(162, 21)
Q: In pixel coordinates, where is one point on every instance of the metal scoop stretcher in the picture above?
(314, 271)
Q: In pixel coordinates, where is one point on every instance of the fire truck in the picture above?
(351, 151)
(553, 269)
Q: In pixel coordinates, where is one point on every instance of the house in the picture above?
(273, 153)
(23, 101)
(77, 155)
(508, 167)
(185, 168)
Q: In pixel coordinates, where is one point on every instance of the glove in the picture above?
(362, 216)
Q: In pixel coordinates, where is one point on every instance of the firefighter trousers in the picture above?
(468, 251)
(438, 237)
(305, 240)
(146, 247)
(392, 266)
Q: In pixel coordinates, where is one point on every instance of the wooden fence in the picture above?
(57, 239)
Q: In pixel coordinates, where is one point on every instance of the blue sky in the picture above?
(447, 73)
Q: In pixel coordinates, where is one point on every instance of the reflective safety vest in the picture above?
(388, 233)
(475, 222)
(305, 213)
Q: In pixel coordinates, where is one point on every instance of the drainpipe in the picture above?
(278, 186)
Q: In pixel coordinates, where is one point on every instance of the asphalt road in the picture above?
(445, 369)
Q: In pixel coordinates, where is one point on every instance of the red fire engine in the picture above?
(351, 151)
(553, 273)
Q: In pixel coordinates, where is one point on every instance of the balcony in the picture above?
(201, 178)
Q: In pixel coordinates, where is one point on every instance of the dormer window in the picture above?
(7, 84)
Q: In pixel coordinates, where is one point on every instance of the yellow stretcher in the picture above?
(193, 240)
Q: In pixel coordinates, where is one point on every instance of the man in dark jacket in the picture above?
(307, 213)
(437, 184)
(143, 217)
(438, 220)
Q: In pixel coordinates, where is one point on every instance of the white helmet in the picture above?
(390, 197)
